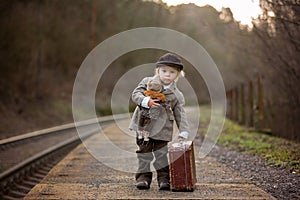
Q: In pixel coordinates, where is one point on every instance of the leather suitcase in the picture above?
(182, 166)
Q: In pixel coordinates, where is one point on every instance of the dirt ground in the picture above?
(84, 174)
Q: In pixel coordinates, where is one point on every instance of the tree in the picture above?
(279, 31)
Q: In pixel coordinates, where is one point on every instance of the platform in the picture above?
(81, 176)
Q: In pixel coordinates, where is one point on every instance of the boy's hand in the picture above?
(153, 103)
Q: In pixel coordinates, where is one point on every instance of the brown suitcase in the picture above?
(182, 166)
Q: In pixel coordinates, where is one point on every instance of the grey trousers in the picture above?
(148, 150)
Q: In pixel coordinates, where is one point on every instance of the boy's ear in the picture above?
(157, 71)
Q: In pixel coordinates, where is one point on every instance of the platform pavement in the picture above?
(81, 176)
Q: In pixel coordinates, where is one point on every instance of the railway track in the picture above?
(27, 158)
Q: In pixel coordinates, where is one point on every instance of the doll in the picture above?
(154, 89)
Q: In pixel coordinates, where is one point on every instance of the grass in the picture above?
(63, 107)
(276, 151)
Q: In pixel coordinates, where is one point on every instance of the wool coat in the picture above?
(163, 126)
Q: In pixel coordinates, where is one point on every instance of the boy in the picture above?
(168, 69)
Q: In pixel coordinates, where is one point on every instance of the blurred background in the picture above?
(43, 44)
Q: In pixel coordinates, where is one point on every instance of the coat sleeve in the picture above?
(180, 115)
(138, 93)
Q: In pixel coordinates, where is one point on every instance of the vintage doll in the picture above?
(147, 115)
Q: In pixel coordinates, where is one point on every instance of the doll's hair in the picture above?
(180, 73)
(154, 85)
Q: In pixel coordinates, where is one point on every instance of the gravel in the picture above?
(280, 183)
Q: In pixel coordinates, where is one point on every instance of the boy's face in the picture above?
(167, 74)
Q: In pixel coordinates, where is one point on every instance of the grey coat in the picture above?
(163, 126)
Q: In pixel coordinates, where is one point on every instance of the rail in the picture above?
(14, 175)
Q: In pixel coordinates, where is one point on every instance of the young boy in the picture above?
(168, 69)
